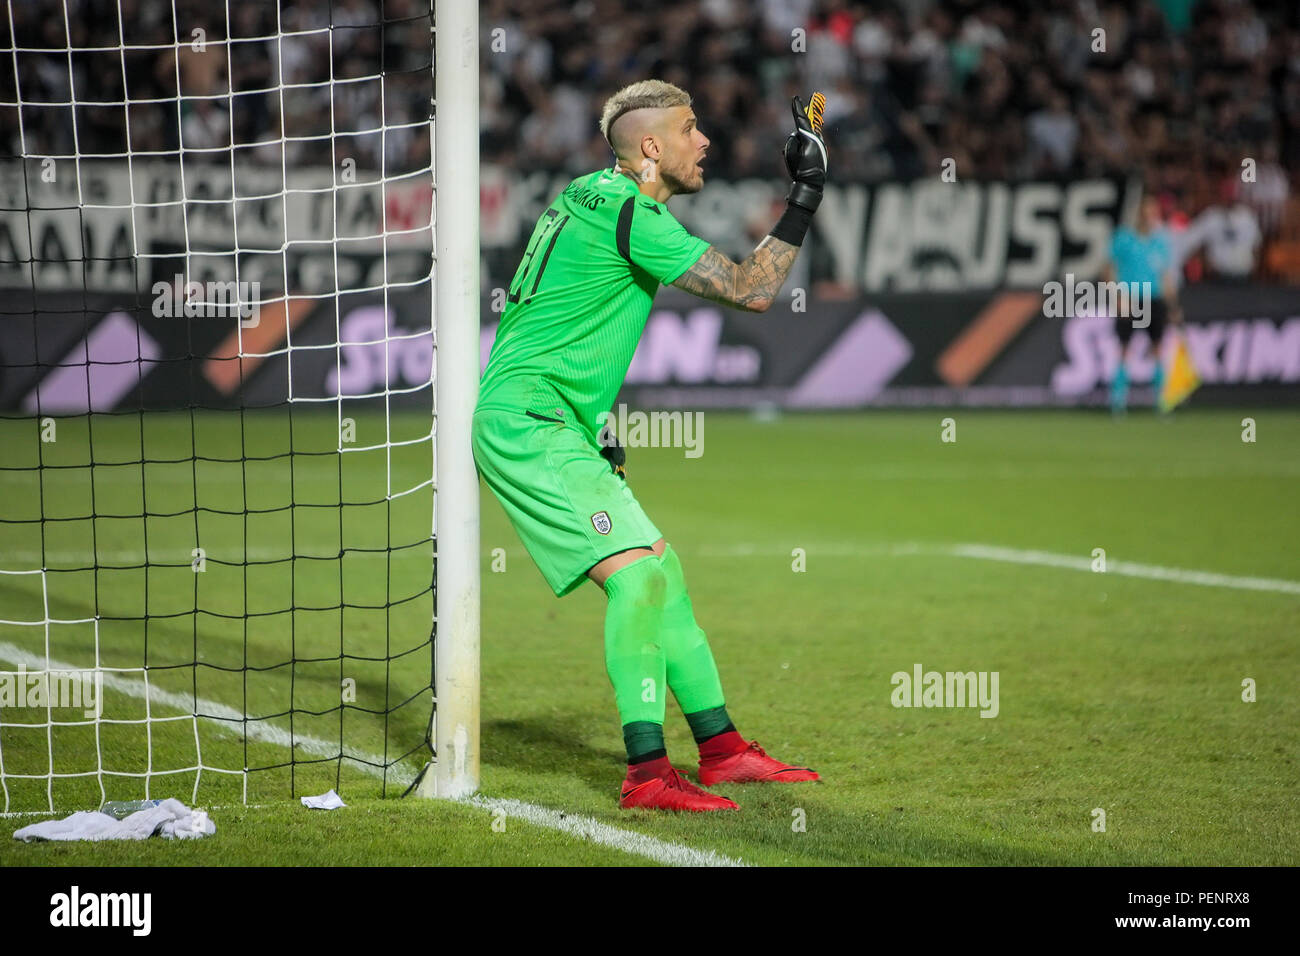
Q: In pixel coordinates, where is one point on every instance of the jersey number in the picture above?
(552, 228)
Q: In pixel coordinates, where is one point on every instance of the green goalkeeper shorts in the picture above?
(567, 506)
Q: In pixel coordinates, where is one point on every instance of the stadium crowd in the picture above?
(277, 101)
(1179, 92)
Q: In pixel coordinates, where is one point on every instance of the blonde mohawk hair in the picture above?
(645, 94)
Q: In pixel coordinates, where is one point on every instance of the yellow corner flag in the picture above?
(1181, 379)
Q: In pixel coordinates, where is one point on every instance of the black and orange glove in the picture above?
(805, 153)
(613, 452)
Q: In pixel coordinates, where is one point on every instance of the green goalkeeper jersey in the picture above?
(579, 301)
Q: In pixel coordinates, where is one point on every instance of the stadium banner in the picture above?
(113, 227)
(104, 351)
(87, 230)
(995, 349)
(920, 293)
(920, 236)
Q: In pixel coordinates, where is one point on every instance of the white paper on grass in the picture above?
(326, 801)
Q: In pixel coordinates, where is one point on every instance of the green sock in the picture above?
(644, 741)
(707, 724)
(634, 656)
(692, 673)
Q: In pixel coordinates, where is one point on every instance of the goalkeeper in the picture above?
(574, 313)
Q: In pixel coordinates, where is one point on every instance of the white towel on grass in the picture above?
(171, 819)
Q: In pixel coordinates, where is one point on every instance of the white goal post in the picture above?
(456, 350)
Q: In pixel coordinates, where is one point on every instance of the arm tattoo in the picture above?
(751, 285)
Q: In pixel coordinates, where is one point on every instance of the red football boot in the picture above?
(749, 766)
(671, 792)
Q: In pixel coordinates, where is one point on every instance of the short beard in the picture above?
(677, 185)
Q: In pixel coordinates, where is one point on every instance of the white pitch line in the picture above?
(132, 559)
(1130, 569)
(587, 828)
(990, 552)
(219, 715)
(836, 549)
(661, 851)
(215, 806)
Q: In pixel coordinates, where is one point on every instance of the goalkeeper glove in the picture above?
(613, 452)
(805, 154)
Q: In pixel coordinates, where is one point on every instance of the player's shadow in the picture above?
(554, 742)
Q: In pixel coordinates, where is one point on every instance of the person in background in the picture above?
(1143, 256)
(1231, 236)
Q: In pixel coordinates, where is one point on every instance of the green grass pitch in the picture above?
(1117, 692)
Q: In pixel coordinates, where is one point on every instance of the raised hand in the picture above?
(805, 153)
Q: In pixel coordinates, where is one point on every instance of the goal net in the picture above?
(221, 454)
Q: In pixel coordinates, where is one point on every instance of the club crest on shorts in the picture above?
(600, 520)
